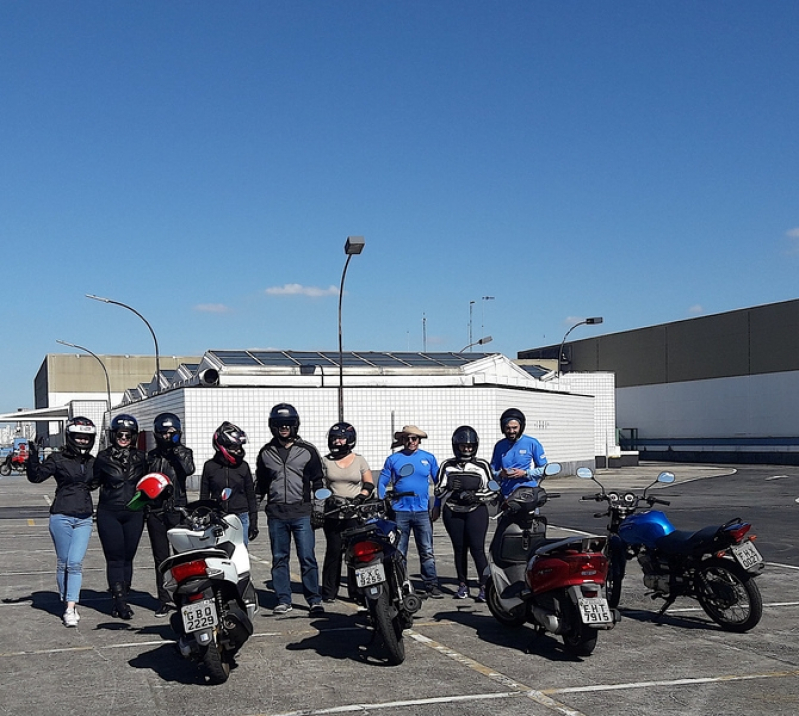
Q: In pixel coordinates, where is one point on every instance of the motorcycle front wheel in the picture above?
(5, 469)
(513, 618)
(389, 629)
(728, 595)
(617, 565)
(217, 666)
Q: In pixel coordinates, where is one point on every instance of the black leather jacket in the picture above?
(117, 471)
(74, 479)
(177, 463)
(218, 474)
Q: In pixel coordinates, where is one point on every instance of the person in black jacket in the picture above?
(117, 469)
(228, 469)
(71, 511)
(176, 461)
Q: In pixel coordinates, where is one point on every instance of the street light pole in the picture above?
(353, 246)
(587, 322)
(471, 305)
(481, 342)
(146, 322)
(102, 365)
(483, 313)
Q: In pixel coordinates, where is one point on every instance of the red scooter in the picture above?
(558, 585)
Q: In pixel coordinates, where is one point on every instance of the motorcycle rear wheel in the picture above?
(5, 469)
(729, 595)
(389, 629)
(217, 666)
(581, 639)
(513, 618)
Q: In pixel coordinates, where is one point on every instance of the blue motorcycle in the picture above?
(377, 576)
(715, 565)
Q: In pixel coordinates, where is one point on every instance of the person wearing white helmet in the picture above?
(71, 511)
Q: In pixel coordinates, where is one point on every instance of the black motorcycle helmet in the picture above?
(465, 435)
(341, 430)
(229, 441)
(281, 415)
(513, 414)
(79, 435)
(124, 422)
(163, 424)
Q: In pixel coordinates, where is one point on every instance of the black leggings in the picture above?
(119, 532)
(467, 530)
(331, 567)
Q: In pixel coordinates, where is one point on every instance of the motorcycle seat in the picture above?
(684, 542)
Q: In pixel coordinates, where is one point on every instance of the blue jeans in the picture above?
(422, 528)
(71, 539)
(245, 526)
(280, 533)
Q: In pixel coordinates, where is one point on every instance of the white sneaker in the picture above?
(71, 618)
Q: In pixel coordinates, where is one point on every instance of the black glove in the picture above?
(359, 499)
(469, 498)
(514, 507)
(317, 519)
(252, 533)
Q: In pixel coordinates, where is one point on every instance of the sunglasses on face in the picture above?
(124, 435)
(411, 438)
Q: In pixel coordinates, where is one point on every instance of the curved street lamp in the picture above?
(146, 322)
(587, 322)
(481, 342)
(352, 247)
(102, 365)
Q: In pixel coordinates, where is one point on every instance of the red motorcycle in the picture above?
(557, 585)
(15, 460)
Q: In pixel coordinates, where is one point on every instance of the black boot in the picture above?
(120, 608)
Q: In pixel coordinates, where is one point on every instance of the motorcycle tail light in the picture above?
(365, 551)
(197, 568)
(196, 597)
(738, 532)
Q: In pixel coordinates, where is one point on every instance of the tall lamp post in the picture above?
(146, 322)
(481, 342)
(102, 365)
(353, 246)
(471, 306)
(587, 322)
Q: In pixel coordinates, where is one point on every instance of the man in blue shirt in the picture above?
(411, 470)
(517, 458)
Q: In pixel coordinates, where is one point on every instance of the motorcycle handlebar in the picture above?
(656, 501)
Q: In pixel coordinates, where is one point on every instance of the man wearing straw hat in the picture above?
(412, 470)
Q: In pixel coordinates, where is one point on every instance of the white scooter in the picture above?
(208, 577)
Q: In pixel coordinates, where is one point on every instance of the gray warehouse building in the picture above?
(719, 388)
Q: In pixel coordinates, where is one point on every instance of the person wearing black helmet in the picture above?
(117, 470)
(71, 511)
(517, 457)
(173, 459)
(463, 490)
(288, 471)
(348, 476)
(228, 469)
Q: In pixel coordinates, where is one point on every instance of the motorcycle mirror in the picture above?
(666, 477)
(226, 493)
(406, 470)
(586, 473)
(493, 485)
(552, 468)
(323, 493)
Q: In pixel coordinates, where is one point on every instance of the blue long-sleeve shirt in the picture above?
(526, 454)
(425, 470)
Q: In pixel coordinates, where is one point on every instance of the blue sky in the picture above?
(204, 162)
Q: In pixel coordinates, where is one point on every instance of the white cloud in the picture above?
(212, 308)
(696, 309)
(297, 289)
(793, 244)
(793, 233)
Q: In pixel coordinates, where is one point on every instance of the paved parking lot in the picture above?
(459, 659)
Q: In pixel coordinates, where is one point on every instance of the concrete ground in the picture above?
(459, 659)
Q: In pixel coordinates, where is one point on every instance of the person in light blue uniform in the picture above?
(517, 458)
(412, 470)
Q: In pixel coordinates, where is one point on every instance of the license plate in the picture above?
(367, 576)
(595, 610)
(746, 554)
(199, 615)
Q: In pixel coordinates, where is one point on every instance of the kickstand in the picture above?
(537, 632)
(665, 606)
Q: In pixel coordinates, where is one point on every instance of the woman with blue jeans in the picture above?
(71, 511)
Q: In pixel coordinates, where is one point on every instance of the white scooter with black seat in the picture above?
(208, 577)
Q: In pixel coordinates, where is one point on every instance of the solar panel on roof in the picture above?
(273, 358)
(347, 359)
(415, 358)
(310, 357)
(235, 358)
(382, 359)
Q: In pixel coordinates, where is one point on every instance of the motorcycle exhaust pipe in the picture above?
(551, 622)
